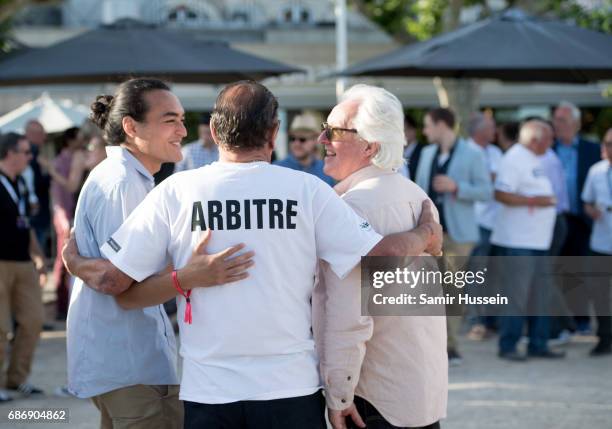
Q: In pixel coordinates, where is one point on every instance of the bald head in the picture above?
(537, 136)
(244, 116)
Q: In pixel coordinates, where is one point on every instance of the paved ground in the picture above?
(485, 393)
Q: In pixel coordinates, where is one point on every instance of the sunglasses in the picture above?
(333, 133)
(298, 139)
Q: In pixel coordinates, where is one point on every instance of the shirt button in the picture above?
(348, 378)
(343, 401)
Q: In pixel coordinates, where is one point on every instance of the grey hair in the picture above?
(476, 123)
(573, 108)
(532, 129)
(379, 119)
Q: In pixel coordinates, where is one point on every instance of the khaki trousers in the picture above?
(140, 407)
(20, 300)
(453, 323)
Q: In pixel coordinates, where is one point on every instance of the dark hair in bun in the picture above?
(108, 111)
(100, 109)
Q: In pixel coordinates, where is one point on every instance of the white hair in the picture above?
(573, 108)
(533, 129)
(379, 119)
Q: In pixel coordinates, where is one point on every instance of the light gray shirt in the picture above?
(108, 347)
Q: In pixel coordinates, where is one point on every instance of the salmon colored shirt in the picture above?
(398, 364)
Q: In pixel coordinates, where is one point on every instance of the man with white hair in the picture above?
(523, 231)
(577, 155)
(381, 371)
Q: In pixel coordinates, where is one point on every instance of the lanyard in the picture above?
(19, 201)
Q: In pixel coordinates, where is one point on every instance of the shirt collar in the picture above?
(358, 176)
(574, 145)
(121, 153)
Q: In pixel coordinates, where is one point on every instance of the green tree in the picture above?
(8, 8)
(416, 20)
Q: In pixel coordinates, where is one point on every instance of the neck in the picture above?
(305, 161)
(567, 141)
(447, 143)
(244, 157)
(8, 171)
(151, 164)
(481, 143)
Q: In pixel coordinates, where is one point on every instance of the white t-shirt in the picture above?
(521, 227)
(598, 190)
(486, 211)
(249, 340)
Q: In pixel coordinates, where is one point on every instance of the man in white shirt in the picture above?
(597, 198)
(125, 361)
(481, 129)
(522, 233)
(248, 350)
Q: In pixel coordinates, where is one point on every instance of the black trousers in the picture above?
(600, 295)
(577, 244)
(303, 412)
(374, 420)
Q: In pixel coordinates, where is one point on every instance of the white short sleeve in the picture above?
(508, 176)
(342, 237)
(588, 192)
(495, 157)
(139, 246)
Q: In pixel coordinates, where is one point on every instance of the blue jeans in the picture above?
(518, 277)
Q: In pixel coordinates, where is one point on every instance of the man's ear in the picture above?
(129, 126)
(213, 134)
(272, 135)
(372, 149)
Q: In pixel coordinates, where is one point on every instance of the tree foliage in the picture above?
(410, 20)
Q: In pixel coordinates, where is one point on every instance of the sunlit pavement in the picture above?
(485, 392)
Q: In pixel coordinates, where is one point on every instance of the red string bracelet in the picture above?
(187, 296)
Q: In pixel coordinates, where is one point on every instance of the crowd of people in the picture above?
(262, 255)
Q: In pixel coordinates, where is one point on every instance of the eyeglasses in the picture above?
(333, 133)
(25, 152)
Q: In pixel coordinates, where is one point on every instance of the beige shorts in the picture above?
(140, 407)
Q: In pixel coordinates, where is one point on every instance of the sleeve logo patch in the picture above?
(113, 244)
(365, 225)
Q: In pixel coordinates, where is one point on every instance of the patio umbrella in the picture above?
(55, 116)
(512, 46)
(130, 49)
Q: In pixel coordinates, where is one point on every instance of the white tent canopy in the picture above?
(55, 116)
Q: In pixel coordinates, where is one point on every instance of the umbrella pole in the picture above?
(341, 45)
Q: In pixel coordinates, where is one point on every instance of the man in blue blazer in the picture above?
(577, 156)
(455, 175)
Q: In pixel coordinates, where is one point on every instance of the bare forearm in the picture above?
(155, 290)
(36, 252)
(512, 199)
(409, 243)
(99, 274)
